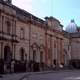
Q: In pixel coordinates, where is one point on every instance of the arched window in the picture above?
(8, 24)
(22, 54)
(22, 33)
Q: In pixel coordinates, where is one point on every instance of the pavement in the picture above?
(21, 76)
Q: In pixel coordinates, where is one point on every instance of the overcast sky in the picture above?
(63, 10)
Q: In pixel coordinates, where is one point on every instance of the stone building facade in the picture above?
(28, 43)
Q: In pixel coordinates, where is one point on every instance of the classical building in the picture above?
(28, 43)
(74, 39)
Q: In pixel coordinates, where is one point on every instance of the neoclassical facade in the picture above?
(28, 43)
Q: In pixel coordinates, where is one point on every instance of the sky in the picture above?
(63, 10)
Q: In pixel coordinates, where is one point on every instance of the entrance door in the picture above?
(35, 63)
(7, 59)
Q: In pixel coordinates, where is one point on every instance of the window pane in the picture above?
(8, 24)
(22, 33)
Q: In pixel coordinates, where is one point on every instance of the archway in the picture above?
(7, 54)
(7, 59)
(34, 63)
(20, 65)
(42, 57)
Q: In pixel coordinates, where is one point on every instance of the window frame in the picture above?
(8, 26)
(22, 34)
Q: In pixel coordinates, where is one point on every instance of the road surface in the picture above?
(61, 75)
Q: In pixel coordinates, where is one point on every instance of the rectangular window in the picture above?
(22, 33)
(41, 57)
(34, 55)
(8, 24)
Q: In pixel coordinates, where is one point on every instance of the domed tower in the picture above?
(72, 27)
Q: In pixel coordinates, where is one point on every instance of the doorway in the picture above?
(7, 59)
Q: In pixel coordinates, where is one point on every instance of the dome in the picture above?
(72, 27)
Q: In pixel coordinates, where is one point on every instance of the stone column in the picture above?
(51, 50)
(5, 69)
(61, 48)
(13, 57)
(46, 50)
(12, 66)
(57, 53)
